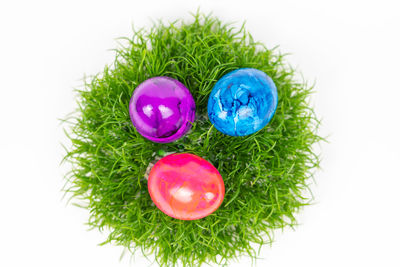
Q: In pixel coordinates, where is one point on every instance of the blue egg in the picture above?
(242, 102)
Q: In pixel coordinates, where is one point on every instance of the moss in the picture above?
(265, 174)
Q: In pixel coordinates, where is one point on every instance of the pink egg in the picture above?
(185, 186)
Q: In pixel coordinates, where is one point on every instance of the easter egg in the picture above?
(185, 186)
(242, 102)
(162, 109)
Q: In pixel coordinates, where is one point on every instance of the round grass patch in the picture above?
(266, 174)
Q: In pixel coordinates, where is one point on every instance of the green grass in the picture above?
(266, 174)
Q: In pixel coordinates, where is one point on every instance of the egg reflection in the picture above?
(182, 194)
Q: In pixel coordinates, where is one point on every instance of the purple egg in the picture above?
(162, 109)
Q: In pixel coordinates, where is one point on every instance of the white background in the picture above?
(349, 48)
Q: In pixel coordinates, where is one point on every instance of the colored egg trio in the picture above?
(185, 186)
